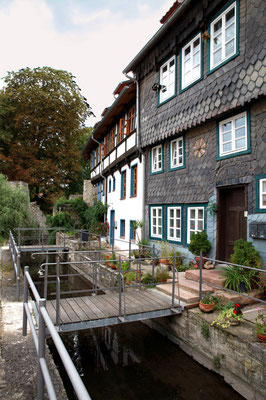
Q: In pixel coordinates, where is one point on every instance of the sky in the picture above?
(94, 40)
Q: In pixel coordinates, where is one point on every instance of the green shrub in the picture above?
(61, 219)
(14, 209)
(199, 242)
(205, 330)
(146, 278)
(161, 275)
(245, 254)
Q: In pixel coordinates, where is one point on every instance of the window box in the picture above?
(233, 136)
(177, 154)
(157, 159)
(223, 30)
(167, 80)
(191, 63)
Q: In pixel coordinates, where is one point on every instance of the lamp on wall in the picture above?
(156, 87)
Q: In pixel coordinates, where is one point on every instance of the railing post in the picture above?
(153, 262)
(41, 351)
(57, 291)
(18, 276)
(19, 238)
(25, 301)
(129, 256)
(120, 288)
(46, 275)
(99, 242)
(89, 241)
(200, 280)
(173, 290)
(113, 238)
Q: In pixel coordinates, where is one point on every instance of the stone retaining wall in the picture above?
(234, 353)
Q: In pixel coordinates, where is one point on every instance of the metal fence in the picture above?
(45, 322)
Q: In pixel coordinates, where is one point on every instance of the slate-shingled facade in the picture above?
(215, 166)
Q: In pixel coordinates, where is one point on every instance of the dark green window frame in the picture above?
(159, 171)
(258, 193)
(181, 87)
(170, 155)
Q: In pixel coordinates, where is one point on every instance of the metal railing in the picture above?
(15, 258)
(45, 323)
(37, 236)
(226, 264)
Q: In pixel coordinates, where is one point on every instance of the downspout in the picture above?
(105, 200)
(138, 144)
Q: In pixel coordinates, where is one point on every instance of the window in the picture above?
(122, 129)
(123, 184)
(223, 37)
(167, 80)
(234, 136)
(113, 184)
(177, 153)
(174, 223)
(112, 139)
(131, 120)
(191, 62)
(157, 159)
(156, 222)
(134, 181)
(132, 231)
(110, 185)
(261, 193)
(122, 228)
(195, 220)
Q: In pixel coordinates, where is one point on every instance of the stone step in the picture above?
(193, 286)
(208, 276)
(237, 298)
(185, 296)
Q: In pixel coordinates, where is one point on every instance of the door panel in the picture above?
(232, 224)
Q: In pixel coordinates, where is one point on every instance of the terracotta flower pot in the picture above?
(206, 307)
(261, 337)
(164, 261)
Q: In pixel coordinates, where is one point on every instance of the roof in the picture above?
(101, 128)
(176, 4)
(170, 20)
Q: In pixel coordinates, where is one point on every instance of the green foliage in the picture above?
(61, 219)
(207, 298)
(130, 276)
(95, 214)
(216, 362)
(260, 327)
(234, 276)
(14, 209)
(146, 279)
(178, 258)
(245, 254)
(205, 330)
(199, 242)
(42, 122)
(161, 275)
(124, 266)
(226, 317)
(166, 249)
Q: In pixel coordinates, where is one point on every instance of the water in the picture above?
(135, 362)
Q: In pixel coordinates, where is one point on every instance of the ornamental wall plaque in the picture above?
(199, 149)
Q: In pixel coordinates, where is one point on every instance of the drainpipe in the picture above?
(138, 142)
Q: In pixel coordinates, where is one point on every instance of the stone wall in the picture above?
(233, 353)
(88, 192)
(37, 215)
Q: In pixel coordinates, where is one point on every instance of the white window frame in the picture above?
(179, 144)
(234, 139)
(222, 16)
(192, 66)
(197, 219)
(157, 159)
(175, 227)
(261, 193)
(168, 80)
(156, 225)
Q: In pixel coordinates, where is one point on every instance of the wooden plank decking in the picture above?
(86, 309)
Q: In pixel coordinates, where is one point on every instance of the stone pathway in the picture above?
(18, 358)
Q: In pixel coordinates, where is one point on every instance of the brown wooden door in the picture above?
(232, 223)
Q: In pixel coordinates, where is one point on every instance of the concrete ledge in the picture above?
(5, 257)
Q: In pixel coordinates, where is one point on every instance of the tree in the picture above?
(42, 120)
(14, 209)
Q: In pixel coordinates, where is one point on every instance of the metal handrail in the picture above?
(40, 341)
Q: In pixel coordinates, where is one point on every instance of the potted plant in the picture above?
(111, 261)
(129, 277)
(260, 327)
(165, 253)
(206, 304)
(179, 258)
(161, 275)
(199, 243)
(229, 316)
(242, 279)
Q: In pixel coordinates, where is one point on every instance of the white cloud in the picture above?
(95, 56)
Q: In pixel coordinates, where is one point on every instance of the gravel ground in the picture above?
(18, 359)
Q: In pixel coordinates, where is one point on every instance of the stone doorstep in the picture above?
(193, 286)
(186, 296)
(236, 298)
(208, 276)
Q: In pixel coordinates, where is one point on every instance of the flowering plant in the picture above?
(260, 326)
(102, 228)
(228, 316)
